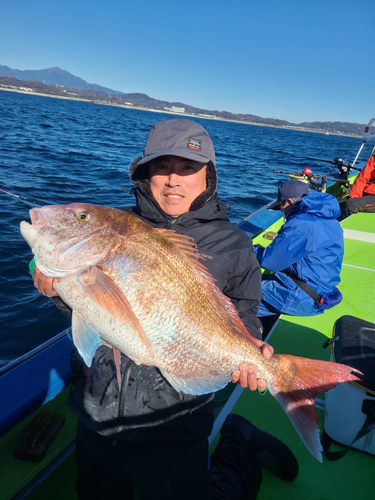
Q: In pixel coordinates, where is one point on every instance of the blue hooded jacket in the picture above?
(310, 245)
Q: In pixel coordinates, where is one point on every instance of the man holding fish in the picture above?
(144, 416)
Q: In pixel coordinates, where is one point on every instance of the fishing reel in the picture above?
(343, 167)
(317, 182)
(313, 179)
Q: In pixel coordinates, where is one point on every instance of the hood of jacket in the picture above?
(319, 204)
(148, 209)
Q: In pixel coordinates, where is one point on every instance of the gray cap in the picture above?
(179, 137)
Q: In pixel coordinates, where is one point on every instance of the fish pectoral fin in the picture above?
(109, 296)
(85, 338)
(195, 386)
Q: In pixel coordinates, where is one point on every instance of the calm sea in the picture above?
(59, 151)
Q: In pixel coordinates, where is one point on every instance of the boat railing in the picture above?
(32, 380)
(30, 354)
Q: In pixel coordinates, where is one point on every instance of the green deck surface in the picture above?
(15, 474)
(360, 222)
(60, 485)
(353, 476)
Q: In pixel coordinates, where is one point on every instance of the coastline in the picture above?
(142, 108)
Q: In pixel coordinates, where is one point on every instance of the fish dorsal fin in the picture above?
(109, 296)
(189, 248)
(85, 338)
(237, 321)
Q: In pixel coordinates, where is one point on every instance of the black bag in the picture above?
(350, 408)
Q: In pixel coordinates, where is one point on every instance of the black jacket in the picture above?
(153, 410)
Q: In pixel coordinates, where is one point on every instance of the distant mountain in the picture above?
(54, 76)
(350, 128)
(52, 80)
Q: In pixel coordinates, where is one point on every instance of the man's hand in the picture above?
(44, 284)
(246, 376)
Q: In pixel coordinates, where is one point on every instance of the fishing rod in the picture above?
(340, 163)
(311, 176)
(23, 199)
(365, 138)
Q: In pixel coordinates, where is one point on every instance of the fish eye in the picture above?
(83, 216)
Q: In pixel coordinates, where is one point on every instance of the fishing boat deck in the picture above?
(17, 477)
(351, 476)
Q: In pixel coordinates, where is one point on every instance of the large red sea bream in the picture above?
(146, 293)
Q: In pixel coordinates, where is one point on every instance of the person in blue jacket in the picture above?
(306, 255)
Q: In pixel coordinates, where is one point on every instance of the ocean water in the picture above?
(60, 151)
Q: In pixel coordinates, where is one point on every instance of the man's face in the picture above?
(286, 206)
(175, 183)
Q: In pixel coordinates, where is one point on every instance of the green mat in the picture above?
(353, 475)
(16, 474)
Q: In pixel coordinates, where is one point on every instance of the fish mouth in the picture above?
(30, 231)
(38, 218)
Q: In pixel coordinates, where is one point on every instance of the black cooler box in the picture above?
(350, 408)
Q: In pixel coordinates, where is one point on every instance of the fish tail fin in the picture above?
(297, 383)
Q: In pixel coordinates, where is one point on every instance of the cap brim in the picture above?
(189, 155)
(275, 205)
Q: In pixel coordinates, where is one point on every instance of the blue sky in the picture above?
(297, 60)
